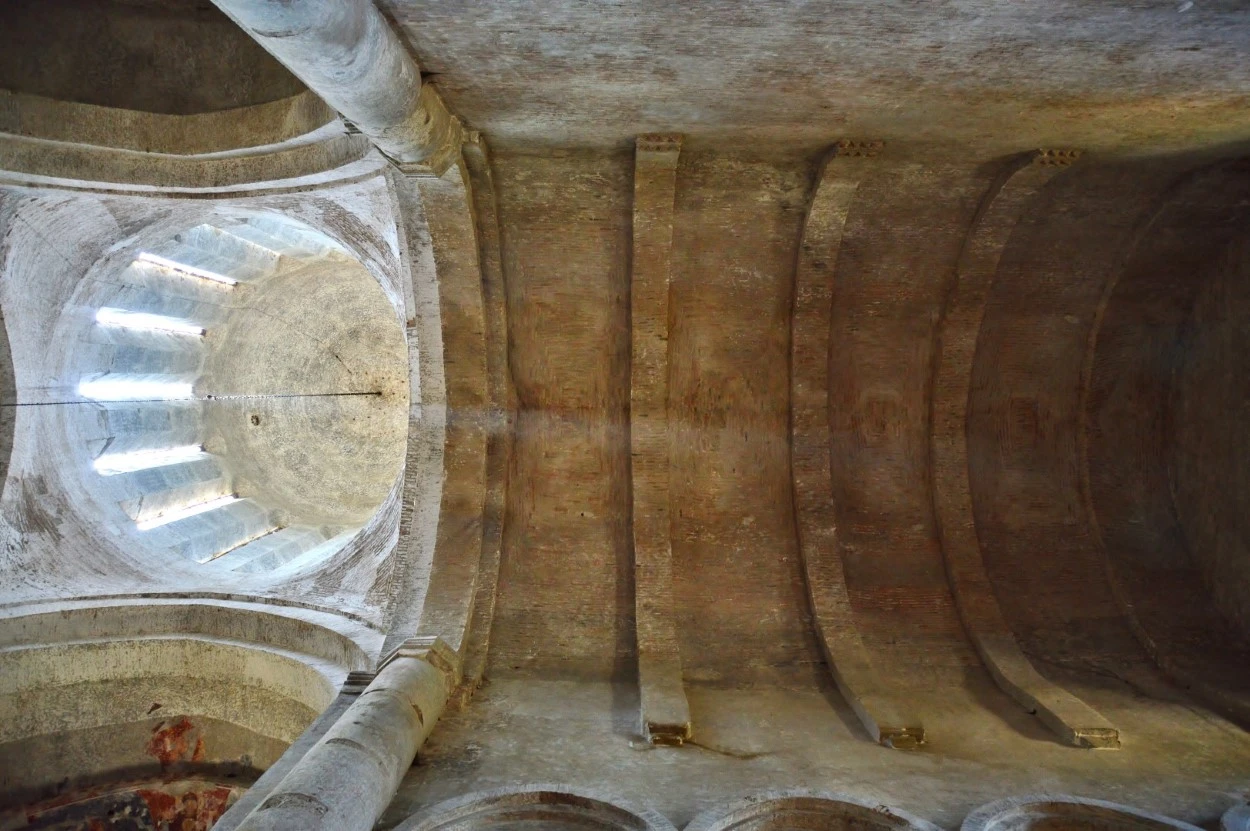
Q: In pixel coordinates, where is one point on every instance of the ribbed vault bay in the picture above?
(1007, 361)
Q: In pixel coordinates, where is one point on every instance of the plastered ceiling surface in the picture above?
(1127, 76)
(891, 393)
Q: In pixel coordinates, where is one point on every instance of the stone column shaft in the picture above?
(347, 53)
(347, 779)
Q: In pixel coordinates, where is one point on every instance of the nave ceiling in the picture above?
(696, 401)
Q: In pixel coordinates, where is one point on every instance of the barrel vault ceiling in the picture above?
(850, 394)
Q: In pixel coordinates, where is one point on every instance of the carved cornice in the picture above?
(357, 681)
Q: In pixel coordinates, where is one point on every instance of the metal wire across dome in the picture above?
(239, 394)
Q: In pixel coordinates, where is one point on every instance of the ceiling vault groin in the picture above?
(1071, 432)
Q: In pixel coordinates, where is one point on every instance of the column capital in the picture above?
(441, 134)
(434, 651)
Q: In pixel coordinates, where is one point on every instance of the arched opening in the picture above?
(153, 712)
(535, 807)
(1043, 813)
(805, 810)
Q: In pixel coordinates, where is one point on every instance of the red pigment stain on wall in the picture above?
(183, 805)
(189, 811)
(176, 741)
